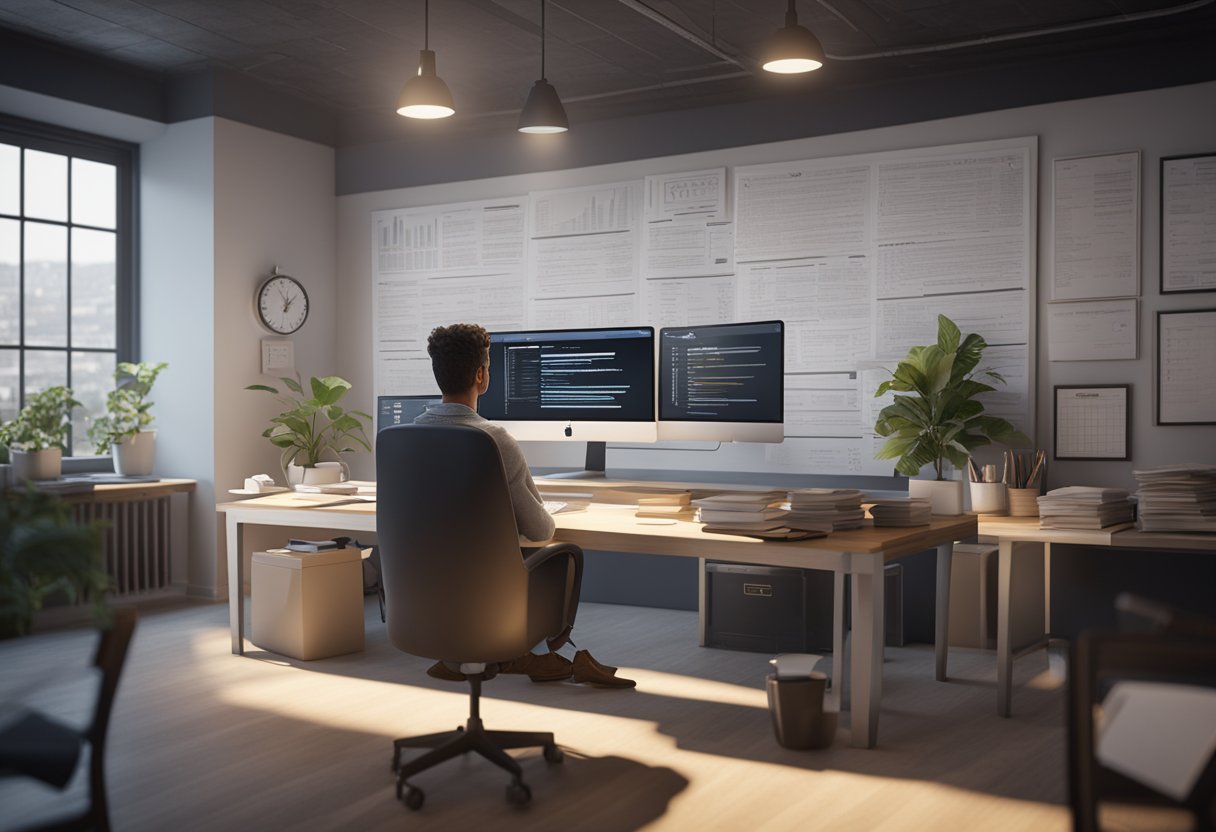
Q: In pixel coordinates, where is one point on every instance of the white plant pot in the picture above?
(36, 465)
(945, 496)
(988, 497)
(320, 474)
(135, 455)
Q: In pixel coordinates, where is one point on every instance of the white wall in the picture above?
(177, 268)
(1159, 123)
(274, 205)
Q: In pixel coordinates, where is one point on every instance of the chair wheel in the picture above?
(553, 754)
(518, 793)
(414, 798)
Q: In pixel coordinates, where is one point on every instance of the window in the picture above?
(67, 271)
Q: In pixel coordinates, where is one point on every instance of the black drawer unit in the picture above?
(771, 609)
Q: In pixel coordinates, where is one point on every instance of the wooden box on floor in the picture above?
(307, 605)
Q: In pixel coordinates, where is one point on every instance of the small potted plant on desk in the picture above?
(940, 418)
(123, 428)
(37, 437)
(308, 428)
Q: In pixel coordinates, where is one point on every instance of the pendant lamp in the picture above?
(543, 112)
(793, 48)
(425, 95)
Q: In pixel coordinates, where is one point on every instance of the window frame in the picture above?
(34, 135)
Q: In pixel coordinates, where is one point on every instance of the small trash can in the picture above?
(796, 703)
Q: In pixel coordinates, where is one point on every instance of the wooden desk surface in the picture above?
(615, 528)
(1027, 528)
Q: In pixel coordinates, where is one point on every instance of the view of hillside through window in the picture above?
(59, 242)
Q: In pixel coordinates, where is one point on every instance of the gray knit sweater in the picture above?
(531, 519)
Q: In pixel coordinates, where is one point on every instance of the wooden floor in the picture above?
(205, 740)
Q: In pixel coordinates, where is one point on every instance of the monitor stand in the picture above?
(593, 467)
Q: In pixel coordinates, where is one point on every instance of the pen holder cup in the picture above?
(1023, 502)
(988, 497)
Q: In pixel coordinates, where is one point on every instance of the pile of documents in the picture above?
(759, 511)
(1085, 507)
(901, 511)
(825, 509)
(677, 506)
(1177, 498)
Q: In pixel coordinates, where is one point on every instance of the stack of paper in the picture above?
(677, 506)
(825, 509)
(759, 511)
(1177, 498)
(1085, 507)
(901, 511)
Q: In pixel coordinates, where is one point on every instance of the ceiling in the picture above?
(607, 58)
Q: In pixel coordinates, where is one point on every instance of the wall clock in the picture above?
(281, 304)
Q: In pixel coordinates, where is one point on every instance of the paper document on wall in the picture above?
(698, 195)
(822, 404)
(1187, 367)
(675, 249)
(830, 456)
(583, 313)
(1188, 224)
(1000, 317)
(592, 209)
(596, 264)
(1091, 331)
(983, 264)
(1096, 227)
(690, 301)
(1010, 400)
(801, 209)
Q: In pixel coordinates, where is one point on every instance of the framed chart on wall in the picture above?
(1092, 422)
(1186, 367)
(1188, 223)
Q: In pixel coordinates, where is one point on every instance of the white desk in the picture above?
(1010, 530)
(861, 553)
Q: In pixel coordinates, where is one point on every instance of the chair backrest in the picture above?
(454, 580)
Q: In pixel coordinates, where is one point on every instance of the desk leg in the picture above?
(702, 623)
(236, 584)
(941, 630)
(866, 659)
(1004, 659)
(837, 689)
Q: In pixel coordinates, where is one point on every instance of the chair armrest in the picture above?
(534, 560)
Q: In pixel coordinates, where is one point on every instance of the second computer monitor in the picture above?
(724, 382)
(574, 385)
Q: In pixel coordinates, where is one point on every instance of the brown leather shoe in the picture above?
(606, 668)
(439, 670)
(519, 665)
(549, 667)
(589, 671)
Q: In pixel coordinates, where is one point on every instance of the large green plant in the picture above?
(308, 427)
(43, 423)
(42, 550)
(127, 405)
(940, 417)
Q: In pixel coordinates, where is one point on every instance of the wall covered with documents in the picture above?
(857, 254)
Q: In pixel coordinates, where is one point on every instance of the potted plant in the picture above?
(940, 418)
(123, 429)
(42, 551)
(37, 437)
(308, 428)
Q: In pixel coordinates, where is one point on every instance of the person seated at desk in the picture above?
(460, 358)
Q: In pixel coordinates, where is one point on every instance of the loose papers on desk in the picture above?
(754, 512)
(1177, 498)
(825, 509)
(896, 512)
(1085, 507)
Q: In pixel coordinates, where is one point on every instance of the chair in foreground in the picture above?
(1131, 729)
(43, 748)
(456, 586)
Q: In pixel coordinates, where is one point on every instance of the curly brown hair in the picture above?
(456, 352)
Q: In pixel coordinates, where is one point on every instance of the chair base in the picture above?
(472, 737)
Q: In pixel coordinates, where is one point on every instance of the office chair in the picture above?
(1182, 650)
(456, 586)
(48, 750)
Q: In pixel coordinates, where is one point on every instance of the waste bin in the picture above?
(307, 605)
(796, 703)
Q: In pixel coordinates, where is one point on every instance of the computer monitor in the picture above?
(724, 382)
(573, 385)
(401, 410)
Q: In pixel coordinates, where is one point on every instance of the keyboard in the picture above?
(554, 506)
